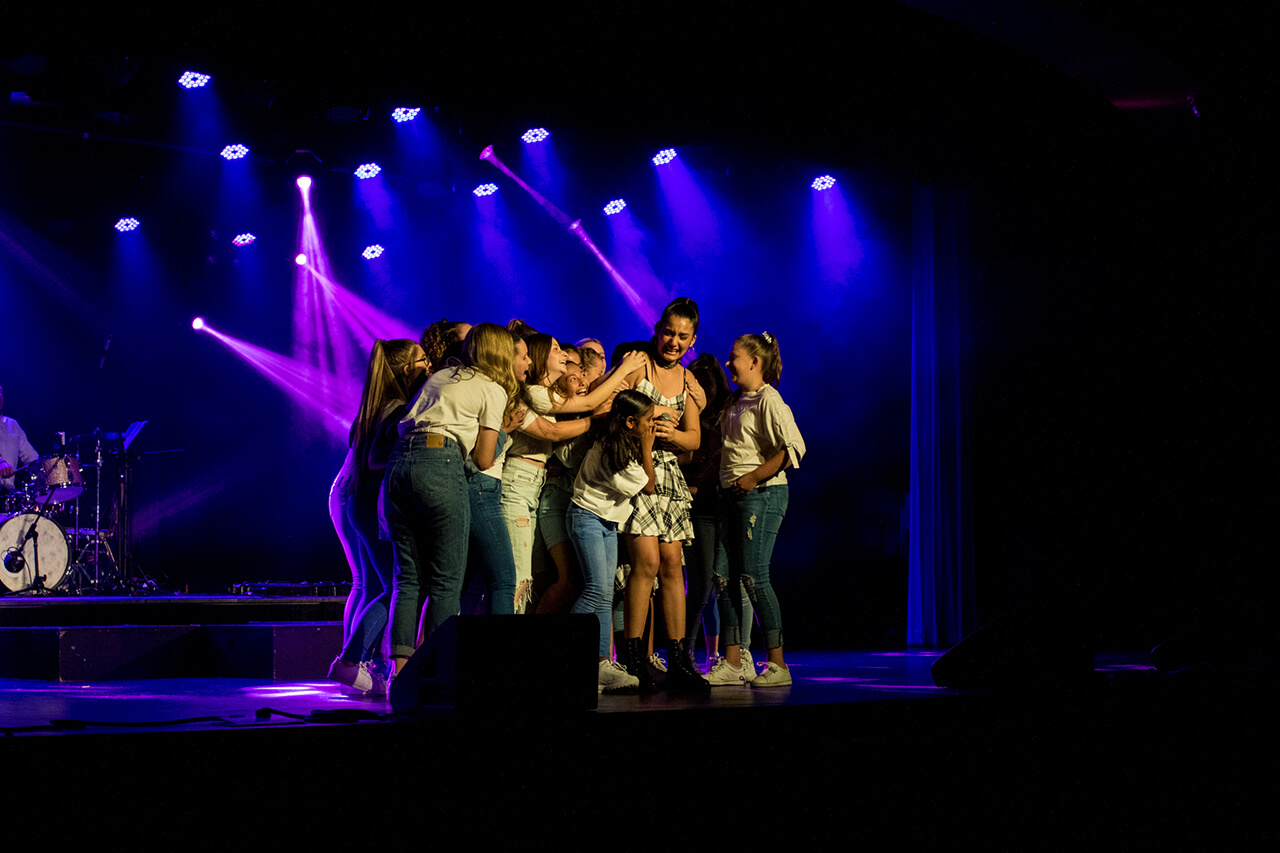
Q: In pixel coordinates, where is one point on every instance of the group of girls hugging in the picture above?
(491, 469)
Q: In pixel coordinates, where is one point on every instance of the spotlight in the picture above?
(127, 224)
(825, 182)
(666, 155)
(372, 252)
(300, 260)
(403, 114)
(304, 182)
(535, 134)
(193, 80)
(234, 152)
(197, 323)
(368, 170)
(243, 239)
(485, 189)
(614, 206)
(487, 153)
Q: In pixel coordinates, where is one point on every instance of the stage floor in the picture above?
(29, 707)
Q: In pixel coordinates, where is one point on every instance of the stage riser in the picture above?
(284, 652)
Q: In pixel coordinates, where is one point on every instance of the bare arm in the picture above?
(557, 430)
(771, 466)
(646, 460)
(623, 375)
(688, 436)
(485, 450)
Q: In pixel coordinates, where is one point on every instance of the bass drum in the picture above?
(18, 569)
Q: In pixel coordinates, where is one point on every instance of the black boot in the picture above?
(682, 675)
(637, 663)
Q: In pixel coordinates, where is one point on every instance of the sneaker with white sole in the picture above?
(352, 675)
(725, 674)
(614, 678)
(772, 676)
(748, 664)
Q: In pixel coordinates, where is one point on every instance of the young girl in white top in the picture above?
(618, 467)
(760, 441)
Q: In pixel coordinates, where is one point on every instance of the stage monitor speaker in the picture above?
(1034, 644)
(501, 664)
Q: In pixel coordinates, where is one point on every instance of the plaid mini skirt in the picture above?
(665, 513)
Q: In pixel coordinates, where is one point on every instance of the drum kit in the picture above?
(40, 555)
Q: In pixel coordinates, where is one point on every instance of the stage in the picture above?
(861, 749)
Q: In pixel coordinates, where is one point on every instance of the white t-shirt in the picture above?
(607, 493)
(15, 450)
(755, 427)
(538, 398)
(457, 402)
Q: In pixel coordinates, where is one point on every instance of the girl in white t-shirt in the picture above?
(760, 440)
(617, 467)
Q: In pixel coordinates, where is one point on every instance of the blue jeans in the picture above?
(596, 543)
(521, 487)
(489, 546)
(371, 579)
(749, 527)
(427, 516)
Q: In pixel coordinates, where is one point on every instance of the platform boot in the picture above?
(682, 674)
(637, 663)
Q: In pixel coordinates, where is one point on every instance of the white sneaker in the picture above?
(725, 674)
(748, 664)
(772, 676)
(614, 678)
(353, 675)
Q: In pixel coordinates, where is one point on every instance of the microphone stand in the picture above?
(37, 586)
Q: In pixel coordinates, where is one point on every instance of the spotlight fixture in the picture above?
(300, 260)
(127, 224)
(535, 134)
(368, 170)
(304, 182)
(373, 251)
(234, 152)
(243, 239)
(193, 80)
(485, 189)
(825, 182)
(197, 323)
(614, 206)
(666, 155)
(403, 114)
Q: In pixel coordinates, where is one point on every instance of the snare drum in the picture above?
(18, 567)
(59, 474)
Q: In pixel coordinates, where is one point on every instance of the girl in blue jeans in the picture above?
(617, 467)
(760, 440)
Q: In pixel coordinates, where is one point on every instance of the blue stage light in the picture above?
(243, 239)
(193, 80)
(825, 182)
(535, 134)
(666, 155)
(615, 206)
(485, 189)
(368, 170)
(127, 224)
(373, 251)
(234, 152)
(403, 114)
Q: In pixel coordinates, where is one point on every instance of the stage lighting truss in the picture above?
(234, 152)
(373, 251)
(368, 170)
(193, 80)
(485, 189)
(666, 155)
(243, 239)
(825, 182)
(535, 134)
(403, 114)
(127, 224)
(615, 206)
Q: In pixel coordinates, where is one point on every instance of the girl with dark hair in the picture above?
(659, 523)
(394, 366)
(618, 466)
(760, 441)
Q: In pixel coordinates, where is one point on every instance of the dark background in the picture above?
(1116, 308)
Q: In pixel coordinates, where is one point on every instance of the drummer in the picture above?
(15, 451)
